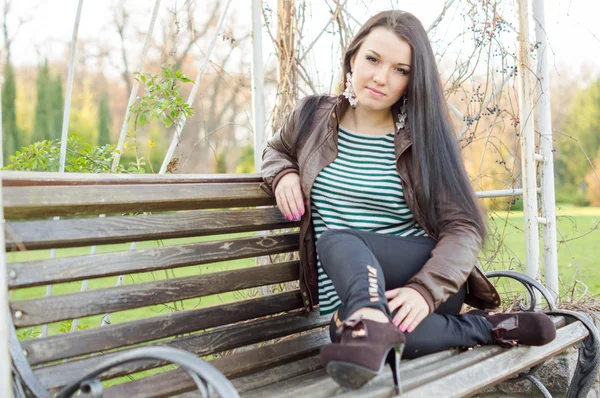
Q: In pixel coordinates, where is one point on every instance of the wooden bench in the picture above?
(187, 246)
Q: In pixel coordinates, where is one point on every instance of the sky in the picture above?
(572, 25)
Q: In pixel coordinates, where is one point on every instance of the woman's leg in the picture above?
(353, 258)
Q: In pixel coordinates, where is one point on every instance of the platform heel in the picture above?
(365, 347)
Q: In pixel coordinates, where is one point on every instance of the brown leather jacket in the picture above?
(452, 261)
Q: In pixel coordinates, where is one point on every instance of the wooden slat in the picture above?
(310, 365)
(37, 273)
(138, 331)
(209, 342)
(48, 234)
(93, 302)
(238, 364)
(473, 379)
(319, 384)
(28, 178)
(206, 343)
(48, 201)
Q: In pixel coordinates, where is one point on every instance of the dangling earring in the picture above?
(349, 92)
(401, 116)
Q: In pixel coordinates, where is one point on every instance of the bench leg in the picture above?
(588, 361)
(25, 383)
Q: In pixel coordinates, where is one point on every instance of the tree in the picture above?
(10, 134)
(56, 105)
(593, 182)
(103, 120)
(43, 108)
(581, 139)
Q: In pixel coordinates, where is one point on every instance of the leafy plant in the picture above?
(81, 157)
(162, 100)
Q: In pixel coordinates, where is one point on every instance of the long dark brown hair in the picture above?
(437, 163)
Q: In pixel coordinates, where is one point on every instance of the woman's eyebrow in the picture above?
(377, 54)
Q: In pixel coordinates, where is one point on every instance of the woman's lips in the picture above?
(375, 92)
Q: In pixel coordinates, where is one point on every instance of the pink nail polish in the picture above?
(395, 321)
(290, 218)
(409, 330)
(302, 213)
(296, 216)
(403, 329)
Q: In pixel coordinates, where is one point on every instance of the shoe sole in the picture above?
(349, 375)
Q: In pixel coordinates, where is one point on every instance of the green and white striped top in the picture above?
(362, 190)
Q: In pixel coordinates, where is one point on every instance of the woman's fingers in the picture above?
(402, 314)
(297, 192)
(289, 197)
(294, 212)
(418, 319)
(391, 294)
(409, 320)
(284, 205)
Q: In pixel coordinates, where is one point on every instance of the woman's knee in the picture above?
(332, 236)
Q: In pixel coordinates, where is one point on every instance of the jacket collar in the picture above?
(402, 138)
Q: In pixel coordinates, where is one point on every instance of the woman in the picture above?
(376, 178)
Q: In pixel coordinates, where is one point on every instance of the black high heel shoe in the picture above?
(364, 349)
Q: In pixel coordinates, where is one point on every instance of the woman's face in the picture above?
(381, 69)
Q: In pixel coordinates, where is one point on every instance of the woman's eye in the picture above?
(371, 59)
(402, 71)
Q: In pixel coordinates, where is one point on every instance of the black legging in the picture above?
(344, 256)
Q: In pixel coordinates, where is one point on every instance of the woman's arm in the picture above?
(279, 156)
(453, 258)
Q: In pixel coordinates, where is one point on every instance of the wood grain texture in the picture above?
(238, 364)
(48, 201)
(48, 234)
(29, 178)
(93, 302)
(310, 366)
(139, 331)
(413, 373)
(206, 343)
(42, 272)
(472, 379)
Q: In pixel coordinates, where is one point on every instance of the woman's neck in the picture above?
(366, 121)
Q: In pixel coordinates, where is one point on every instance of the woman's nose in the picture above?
(380, 77)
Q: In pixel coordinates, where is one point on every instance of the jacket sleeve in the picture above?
(453, 258)
(279, 156)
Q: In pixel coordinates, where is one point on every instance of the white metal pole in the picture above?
(67, 110)
(547, 166)
(192, 96)
(65, 125)
(528, 166)
(134, 89)
(5, 367)
(258, 84)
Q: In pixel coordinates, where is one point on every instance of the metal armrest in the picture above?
(200, 371)
(588, 362)
(204, 375)
(529, 284)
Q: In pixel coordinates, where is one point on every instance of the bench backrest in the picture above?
(172, 260)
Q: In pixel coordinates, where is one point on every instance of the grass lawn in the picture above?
(578, 257)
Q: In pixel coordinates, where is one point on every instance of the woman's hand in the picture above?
(289, 197)
(413, 308)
